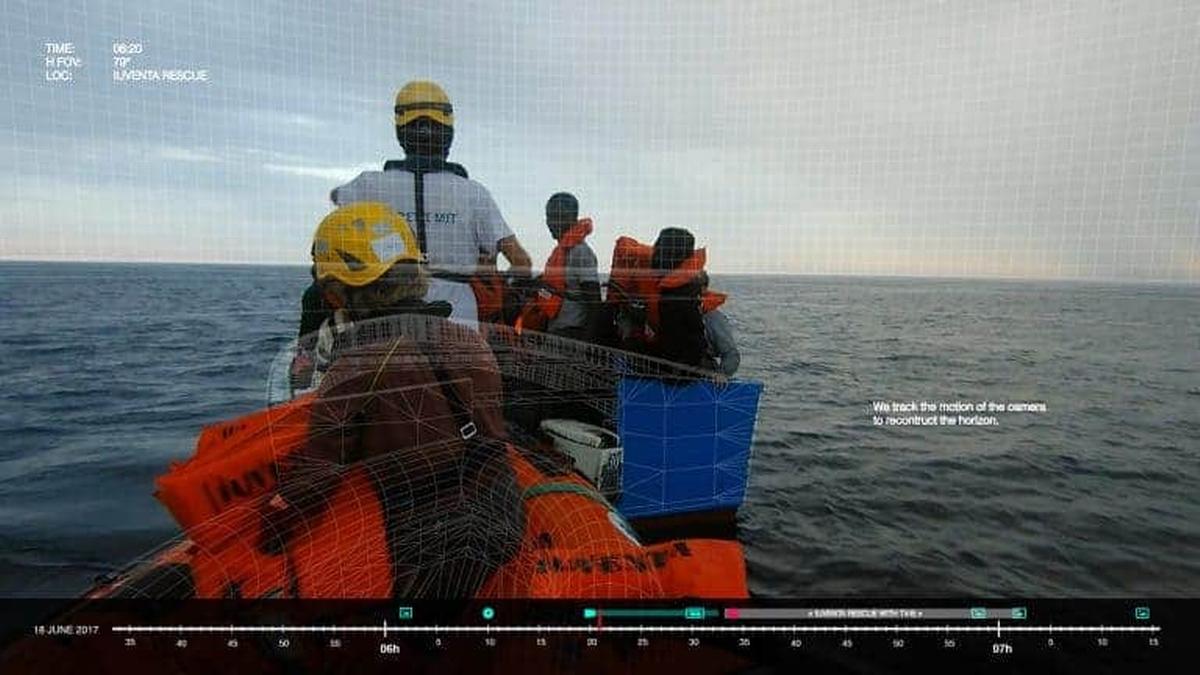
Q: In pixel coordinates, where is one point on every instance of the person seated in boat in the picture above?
(679, 329)
(659, 304)
(404, 382)
(568, 296)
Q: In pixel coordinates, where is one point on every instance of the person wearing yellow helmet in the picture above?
(455, 219)
(424, 120)
(366, 264)
(366, 260)
(413, 391)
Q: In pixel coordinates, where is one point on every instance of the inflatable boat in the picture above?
(628, 473)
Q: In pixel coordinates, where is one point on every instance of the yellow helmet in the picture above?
(358, 243)
(421, 98)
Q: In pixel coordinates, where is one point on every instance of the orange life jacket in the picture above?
(489, 295)
(574, 543)
(631, 277)
(343, 553)
(538, 312)
(633, 280)
(233, 465)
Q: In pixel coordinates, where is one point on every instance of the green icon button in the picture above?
(405, 613)
(1141, 613)
(979, 612)
(488, 613)
(1020, 613)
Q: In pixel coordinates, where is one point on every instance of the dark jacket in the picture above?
(420, 406)
(681, 327)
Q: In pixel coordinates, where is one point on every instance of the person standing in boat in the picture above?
(569, 295)
(455, 218)
(406, 384)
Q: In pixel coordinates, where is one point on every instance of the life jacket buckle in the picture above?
(468, 431)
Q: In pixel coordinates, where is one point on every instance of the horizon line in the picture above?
(879, 275)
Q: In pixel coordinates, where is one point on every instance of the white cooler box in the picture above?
(596, 451)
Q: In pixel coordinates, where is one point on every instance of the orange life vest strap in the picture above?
(711, 300)
(686, 271)
(489, 295)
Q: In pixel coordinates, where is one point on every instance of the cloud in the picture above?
(280, 120)
(329, 174)
(177, 154)
(306, 121)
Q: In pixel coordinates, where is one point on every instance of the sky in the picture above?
(990, 138)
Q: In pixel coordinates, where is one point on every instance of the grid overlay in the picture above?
(1049, 140)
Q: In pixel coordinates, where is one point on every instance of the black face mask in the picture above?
(424, 138)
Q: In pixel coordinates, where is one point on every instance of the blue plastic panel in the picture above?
(687, 447)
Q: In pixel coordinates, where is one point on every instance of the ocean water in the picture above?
(109, 372)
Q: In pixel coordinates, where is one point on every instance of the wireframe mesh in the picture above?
(538, 369)
(428, 513)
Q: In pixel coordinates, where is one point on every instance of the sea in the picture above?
(109, 371)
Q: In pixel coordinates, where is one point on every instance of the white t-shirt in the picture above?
(461, 222)
(461, 218)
